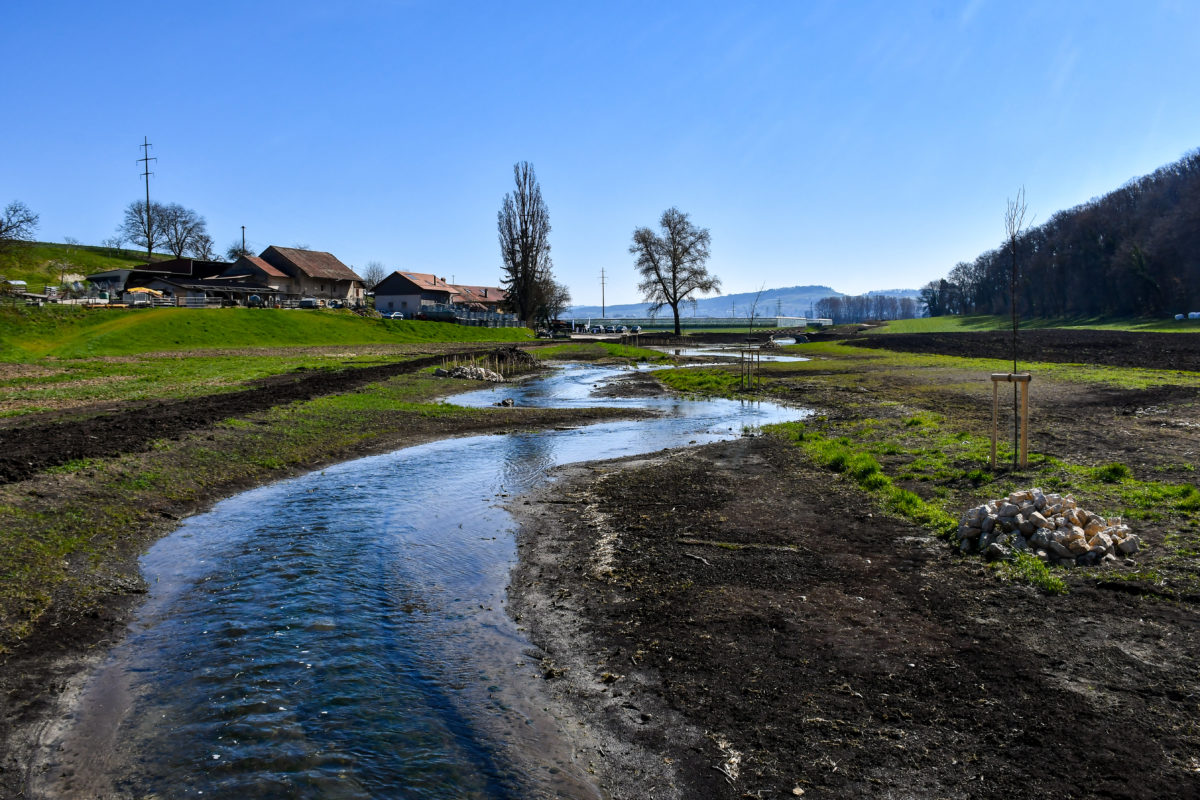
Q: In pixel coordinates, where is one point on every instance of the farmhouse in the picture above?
(308, 273)
(408, 292)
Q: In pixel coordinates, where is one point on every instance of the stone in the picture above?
(1019, 542)
(1026, 526)
(1008, 510)
(1043, 556)
(1129, 545)
(1040, 538)
(974, 515)
(1077, 545)
(995, 551)
(1094, 526)
(1059, 549)
(1087, 559)
(966, 545)
(987, 523)
(1040, 521)
(969, 532)
(1039, 499)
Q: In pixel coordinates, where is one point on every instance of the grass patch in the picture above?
(1026, 568)
(702, 381)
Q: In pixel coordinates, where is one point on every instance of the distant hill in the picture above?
(46, 263)
(793, 301)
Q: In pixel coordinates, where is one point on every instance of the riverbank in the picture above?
(754, 618)
(73, 533)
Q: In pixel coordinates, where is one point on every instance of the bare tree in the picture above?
(141, 229)
(236, 251)
(179, 226)
(373, 274)
(754, 307)
(115, 243)
(523, 223)
(203, 247)
(553, 299)
(17, 225)
(673, 264)
(1014, 226)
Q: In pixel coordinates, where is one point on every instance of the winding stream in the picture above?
(343, 635)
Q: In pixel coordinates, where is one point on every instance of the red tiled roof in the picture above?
(429, 283)
(265, 267)
(315, 263)
(481, 294)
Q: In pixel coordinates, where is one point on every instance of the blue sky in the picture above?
(861, 145)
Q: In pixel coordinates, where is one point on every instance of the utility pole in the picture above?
(243, 240)
(146, 173)
(602, 307)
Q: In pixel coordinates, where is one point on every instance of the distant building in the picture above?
(407, 292)
(115, 281)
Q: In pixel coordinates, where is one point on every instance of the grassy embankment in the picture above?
(984, 322)
(66, 535)
(43, 264)
(55, 357)
(912, 432)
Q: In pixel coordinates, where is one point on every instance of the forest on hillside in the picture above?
(1132, 252)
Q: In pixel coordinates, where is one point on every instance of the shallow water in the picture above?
(343, 634)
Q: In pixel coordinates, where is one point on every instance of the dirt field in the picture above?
(1116, 348)
(740, 623)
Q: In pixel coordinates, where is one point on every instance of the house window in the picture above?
(403, 304)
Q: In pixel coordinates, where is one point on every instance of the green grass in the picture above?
(700, 380)
(982, 322)
(37, 263)
(1026, 568)
(28, 334)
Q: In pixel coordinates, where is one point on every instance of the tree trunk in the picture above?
(675, 311)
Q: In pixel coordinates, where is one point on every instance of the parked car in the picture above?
(636, 329)
(309, 302)
(597, 329)
(622, 329)
(394, 315)
(610, 329)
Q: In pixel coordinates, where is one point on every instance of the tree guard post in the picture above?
(1022, 378)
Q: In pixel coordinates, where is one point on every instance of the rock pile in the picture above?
(1051, 526)
(513, 356)
(470, 373)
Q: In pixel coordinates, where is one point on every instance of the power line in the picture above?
(146, 173)
(602, 309)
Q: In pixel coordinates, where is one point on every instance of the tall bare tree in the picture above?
(673, 264)
(523, 224)
(141, 229)
(1014, 226)
(180, 226)
(17, 225)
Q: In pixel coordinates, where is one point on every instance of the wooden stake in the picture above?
(1022, 378)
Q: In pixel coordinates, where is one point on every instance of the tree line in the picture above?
(1132, 252)
(860, 308)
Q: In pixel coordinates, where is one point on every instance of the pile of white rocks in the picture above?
(1051, 526)
(470, 373)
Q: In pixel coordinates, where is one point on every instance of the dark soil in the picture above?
(1180, 351)
(773, 634)
(32, 445)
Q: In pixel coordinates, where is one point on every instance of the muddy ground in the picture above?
(740, 623)
(1116, 348)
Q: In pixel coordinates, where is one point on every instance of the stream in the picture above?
(343, 634)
